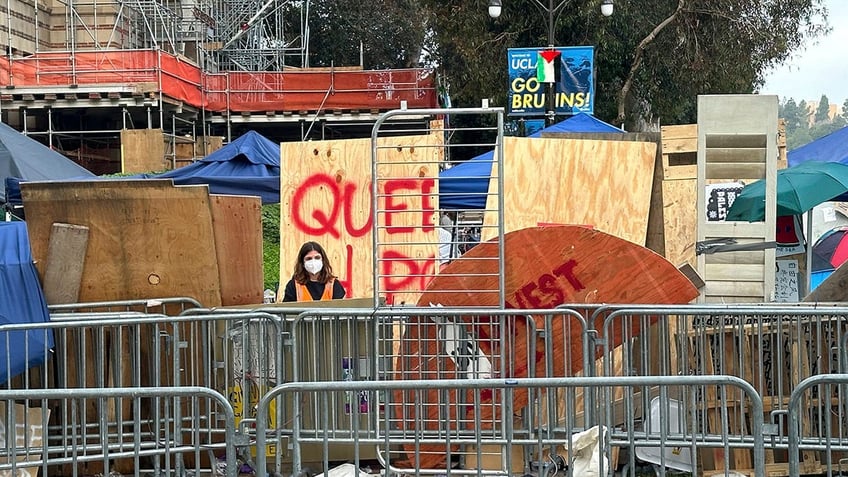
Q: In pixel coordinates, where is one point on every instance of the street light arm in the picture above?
(553, 13)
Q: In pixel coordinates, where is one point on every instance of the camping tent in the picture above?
(830, 148)
(249, 165)
(466, 185)
(24, 158)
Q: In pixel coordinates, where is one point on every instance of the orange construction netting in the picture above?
(151, 71)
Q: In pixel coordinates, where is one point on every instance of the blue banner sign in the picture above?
(574, 87)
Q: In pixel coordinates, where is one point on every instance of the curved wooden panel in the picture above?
(545, 267)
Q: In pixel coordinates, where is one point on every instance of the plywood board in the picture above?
(325, 196)
(679, 220)
(679, 147)
(237, 225)
(186, 153)
(65, 260)
(147, 239)
(142, 150)
(603, 184)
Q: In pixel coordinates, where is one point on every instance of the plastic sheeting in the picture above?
(21, 301)
(25, 158)
(250, 165)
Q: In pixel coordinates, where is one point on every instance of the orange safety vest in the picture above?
(302, 293)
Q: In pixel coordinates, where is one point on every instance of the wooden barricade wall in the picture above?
(147, 239)
(237, 227)
(325, 196)
(188, 152)
(142, 150)
(587, 181)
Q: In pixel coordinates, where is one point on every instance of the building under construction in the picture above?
(101, 80)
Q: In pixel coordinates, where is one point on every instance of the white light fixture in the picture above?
(606, 8)
(494, 8)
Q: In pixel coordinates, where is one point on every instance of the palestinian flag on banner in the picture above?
(546, 66)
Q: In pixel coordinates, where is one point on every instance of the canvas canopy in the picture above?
(830, 148)
(24, 158)
(249, 165)
(466, 186)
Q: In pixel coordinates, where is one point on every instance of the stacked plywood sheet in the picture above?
(149, 239)
(602, 184)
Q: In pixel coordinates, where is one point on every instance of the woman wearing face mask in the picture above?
(313, 278)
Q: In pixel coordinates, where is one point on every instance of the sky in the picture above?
(818, 69)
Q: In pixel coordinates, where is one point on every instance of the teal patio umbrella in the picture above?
(799, 189)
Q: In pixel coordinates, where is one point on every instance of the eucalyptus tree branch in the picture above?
(637, 59)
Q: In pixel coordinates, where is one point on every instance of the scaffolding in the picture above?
(74, 74)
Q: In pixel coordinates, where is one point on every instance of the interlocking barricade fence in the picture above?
(810, 432)
(844, 354)
(164, 306)
(131, 349)
(169, 442)
(545, 446)
(426, 185)
(771, 347)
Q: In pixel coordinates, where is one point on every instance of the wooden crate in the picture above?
(751, 353)
(680, 151)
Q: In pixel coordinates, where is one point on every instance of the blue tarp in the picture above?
(24, 158)
(830, 148)
(250, 165)
(466, 186)
(21, 301)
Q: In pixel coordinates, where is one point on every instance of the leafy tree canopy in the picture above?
(688, 47)
(380, 34)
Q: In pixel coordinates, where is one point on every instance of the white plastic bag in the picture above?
(588, 457)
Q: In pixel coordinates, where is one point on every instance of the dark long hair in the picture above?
(301, 275)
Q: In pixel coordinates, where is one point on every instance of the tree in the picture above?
(790, 112)
(804, 114)
(845, 109)
(378, 33)
(652, 59)
(823, 111)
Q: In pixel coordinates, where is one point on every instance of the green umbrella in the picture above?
(799, 189)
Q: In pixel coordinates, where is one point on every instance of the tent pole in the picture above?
(808, 280)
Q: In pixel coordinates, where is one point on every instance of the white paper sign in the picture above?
(786, 281)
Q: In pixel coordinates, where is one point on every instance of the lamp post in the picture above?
(553, 11)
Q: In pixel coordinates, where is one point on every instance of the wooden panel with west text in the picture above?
(603, 184)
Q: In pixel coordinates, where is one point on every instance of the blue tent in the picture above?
(21, 301)
(24, 158)
(830, 148)
(466, 185)
(250, 165)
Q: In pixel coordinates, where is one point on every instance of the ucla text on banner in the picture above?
(575, 84)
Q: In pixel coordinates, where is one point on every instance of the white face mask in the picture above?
(313, 266)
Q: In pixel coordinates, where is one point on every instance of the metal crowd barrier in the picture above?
(222, 352)
(245, 353)
(161, 446)
(546, 440)
(164, 306)
(825, 434)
